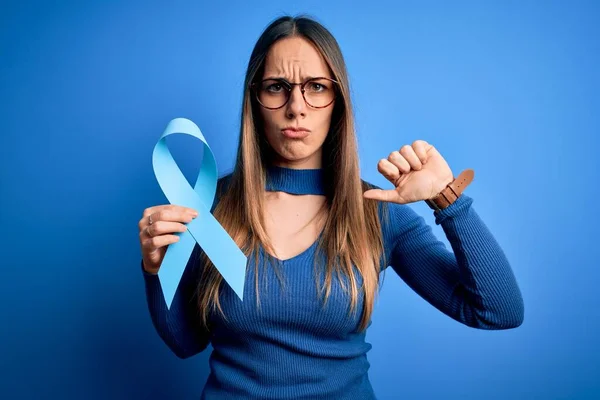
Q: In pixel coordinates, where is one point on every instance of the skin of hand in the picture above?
(417, 171)
(158, 227)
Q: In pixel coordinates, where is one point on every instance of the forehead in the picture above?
(295, 58)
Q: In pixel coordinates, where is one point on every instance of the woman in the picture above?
(317, 237)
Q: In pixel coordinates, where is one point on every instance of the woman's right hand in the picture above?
(157, 228)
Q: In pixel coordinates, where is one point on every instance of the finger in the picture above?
(150, 245)
(153, 209)
(409, 154)
(174, 207)
(388, 170)
(382, 195)
(398, 160)
(182, 209)
(176, 214)
(162, 228)
(150, 211)
(420, 147)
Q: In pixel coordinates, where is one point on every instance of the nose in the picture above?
(296, 105)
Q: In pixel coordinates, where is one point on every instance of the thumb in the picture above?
(380, 194)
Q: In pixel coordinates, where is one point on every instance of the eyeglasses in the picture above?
(275, 93)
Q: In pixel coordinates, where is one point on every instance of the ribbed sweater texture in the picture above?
(294, 346)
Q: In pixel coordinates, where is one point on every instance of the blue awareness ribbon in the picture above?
(205, 230)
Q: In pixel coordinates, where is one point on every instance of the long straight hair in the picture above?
(351, 234)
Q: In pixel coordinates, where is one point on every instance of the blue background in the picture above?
(509, 89)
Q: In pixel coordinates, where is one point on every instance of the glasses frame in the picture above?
(289, 86)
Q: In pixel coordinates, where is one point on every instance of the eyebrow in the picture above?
(306, 78)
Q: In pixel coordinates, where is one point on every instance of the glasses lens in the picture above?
(272, 93)
(319, 92)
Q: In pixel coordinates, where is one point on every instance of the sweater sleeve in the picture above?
(475, 285)
(178, 326)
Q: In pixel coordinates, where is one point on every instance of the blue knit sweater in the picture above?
(292, 348)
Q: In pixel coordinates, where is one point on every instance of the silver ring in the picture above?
(150, 219)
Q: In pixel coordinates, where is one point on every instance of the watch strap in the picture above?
(452, 191)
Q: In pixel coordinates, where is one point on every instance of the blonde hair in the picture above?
(352, 229)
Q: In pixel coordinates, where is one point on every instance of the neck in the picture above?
(295, 180)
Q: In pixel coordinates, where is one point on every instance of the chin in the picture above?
(295, 154)
(294, 151)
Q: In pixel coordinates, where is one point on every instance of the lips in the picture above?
(292, 133)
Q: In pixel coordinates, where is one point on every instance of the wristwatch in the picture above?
(452, 191)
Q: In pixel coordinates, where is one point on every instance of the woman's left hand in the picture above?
(418, 172)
